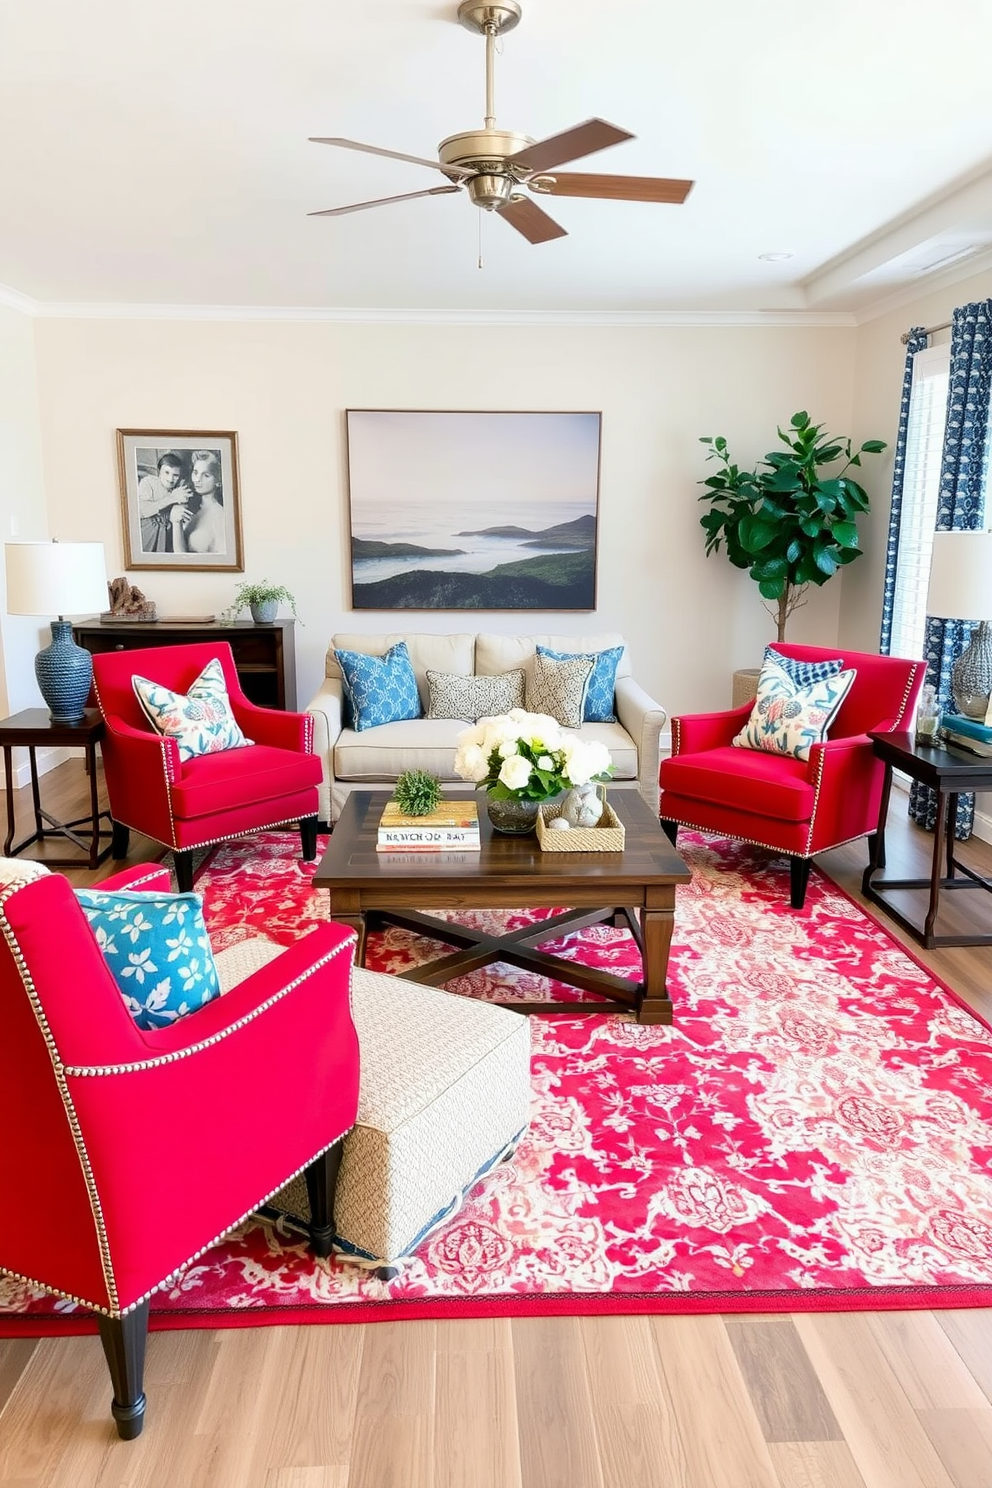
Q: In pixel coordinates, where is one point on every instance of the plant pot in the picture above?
(514, 817)
(264, 613)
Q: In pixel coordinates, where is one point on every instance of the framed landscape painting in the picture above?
(473, 511)
(180, 499)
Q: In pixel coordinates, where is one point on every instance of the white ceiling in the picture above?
(157, 154)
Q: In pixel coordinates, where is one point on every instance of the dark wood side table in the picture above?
(34, 727)
(950, 772)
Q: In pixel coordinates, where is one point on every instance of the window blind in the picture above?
(920, 489)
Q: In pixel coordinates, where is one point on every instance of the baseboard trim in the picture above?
(47, 760)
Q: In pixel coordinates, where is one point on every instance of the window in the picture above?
(920, 489)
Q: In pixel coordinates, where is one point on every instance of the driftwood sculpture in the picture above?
(127, 602)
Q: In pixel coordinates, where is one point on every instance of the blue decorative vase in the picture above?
(64, 672)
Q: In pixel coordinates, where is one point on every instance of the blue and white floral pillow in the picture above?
(379, 689)
(200, 721)
(787, 718)
(157, 949)
(598, 706)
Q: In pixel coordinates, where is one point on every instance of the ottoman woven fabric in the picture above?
(444, 1090)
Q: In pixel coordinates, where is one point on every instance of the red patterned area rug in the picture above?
(814, 1133)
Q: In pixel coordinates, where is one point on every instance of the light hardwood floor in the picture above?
(859, 1400)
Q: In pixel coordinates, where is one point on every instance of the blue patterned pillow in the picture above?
(200, 721)
(379, 689)
(805, 673)
(602, 681)
(157, 948)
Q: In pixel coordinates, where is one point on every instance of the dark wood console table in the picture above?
(265, 655)
(950, 772)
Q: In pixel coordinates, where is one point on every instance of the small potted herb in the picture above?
(263, 599)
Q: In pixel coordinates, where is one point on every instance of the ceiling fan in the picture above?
(497, 168)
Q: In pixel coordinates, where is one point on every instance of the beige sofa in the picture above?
(373, 758)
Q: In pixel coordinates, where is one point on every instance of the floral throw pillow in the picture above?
(200, 721)
(379, 689)
(157, 949)
(602, 681)
(788, 718)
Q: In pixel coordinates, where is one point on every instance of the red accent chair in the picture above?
(193, 803)
(798, 807)
(113, 1141)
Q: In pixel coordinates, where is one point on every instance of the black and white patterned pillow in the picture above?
(559, 688)
(472, 698)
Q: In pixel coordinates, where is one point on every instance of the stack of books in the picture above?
(452, 826)
(967, 733)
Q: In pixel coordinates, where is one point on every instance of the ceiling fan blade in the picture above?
(584, 139)
(383, 201)
(531, 220)
(621, 188)
(347, 144)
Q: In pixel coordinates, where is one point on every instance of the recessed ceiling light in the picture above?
(775, 257)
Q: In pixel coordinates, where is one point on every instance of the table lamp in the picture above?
(56, 578)
(961, 589)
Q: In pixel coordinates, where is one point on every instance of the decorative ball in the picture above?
(559, 824)
(417, 792)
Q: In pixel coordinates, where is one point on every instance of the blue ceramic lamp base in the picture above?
(64, 672)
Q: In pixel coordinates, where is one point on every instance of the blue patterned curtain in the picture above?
(960, 507)
(916, 341)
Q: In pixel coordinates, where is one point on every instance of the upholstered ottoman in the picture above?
(444, 1094)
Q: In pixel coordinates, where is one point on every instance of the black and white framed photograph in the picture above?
(180, 499)
(473, 510)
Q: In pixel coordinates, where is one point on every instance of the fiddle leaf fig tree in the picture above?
(792, 521)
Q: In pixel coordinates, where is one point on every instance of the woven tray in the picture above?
(607, 836)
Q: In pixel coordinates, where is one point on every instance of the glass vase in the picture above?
(514, 817)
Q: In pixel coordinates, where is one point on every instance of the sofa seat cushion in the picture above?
(381, 754)
(743, 779)
(241, 777)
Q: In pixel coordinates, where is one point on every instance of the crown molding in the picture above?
(14, 300)
(924, 285)
(346, 315)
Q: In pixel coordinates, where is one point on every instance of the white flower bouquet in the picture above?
(522, 756)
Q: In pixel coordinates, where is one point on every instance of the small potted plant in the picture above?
(262, 599)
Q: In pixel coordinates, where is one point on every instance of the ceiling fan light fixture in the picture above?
(490, 191)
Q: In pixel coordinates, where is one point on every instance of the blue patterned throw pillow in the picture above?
(200, 721)
(805, 673)
(157, 949)
(602, 680)
(379, 689)
(787, 718)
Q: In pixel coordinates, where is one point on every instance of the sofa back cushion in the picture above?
(502, 653)
(441, 653)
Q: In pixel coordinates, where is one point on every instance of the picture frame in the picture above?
(473, 510)
(201, 528)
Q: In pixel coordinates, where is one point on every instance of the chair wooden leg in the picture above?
(184, 871)
(308, 837)
(119, 840)
(671, 831)
(123, 1340)
(322, 1180)
(799, 868)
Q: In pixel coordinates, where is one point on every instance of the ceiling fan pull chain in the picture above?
(481, 220)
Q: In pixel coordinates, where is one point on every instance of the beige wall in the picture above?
(689, 620)
(22, 500)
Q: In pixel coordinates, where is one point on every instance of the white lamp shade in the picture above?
(55, 578)
(961, 576)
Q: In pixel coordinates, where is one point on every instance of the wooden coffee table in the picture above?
(368, 889)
